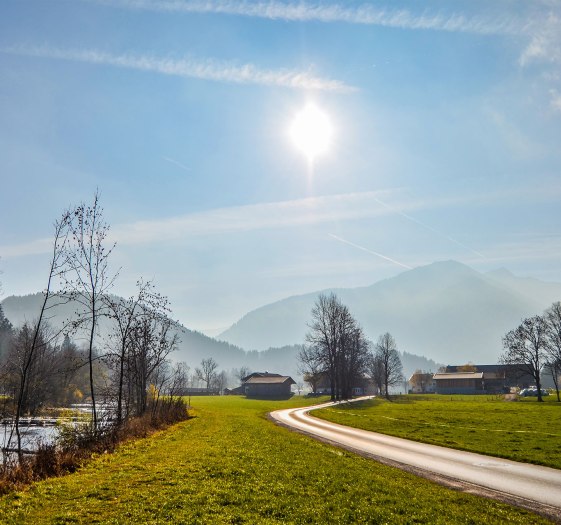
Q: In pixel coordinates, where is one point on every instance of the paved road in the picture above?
(535, 487)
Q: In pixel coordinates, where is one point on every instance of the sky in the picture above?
(446, 142)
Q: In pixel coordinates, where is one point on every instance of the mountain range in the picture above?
(442, 313)
(445, 311)
(193, 346)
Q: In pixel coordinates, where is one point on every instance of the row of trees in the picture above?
(209, 375)
(125, 369)
(56, 375)
(336, 349)
(534, 347)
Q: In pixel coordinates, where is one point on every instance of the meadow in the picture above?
(230, 464)
(522, 430)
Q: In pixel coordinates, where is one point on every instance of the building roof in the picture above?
(258, 374)
(483, 368)
(270, 380)
(459, 375)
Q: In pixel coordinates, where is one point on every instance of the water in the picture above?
(32, 436)
(46, 431)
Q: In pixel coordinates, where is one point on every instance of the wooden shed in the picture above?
(459, 383)
(268, 386)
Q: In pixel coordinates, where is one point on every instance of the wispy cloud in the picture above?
(555, 100)
(284, 214)
(176, 163)
(35, 247)
(544, 49)
(365, 14)
(207, 69)
(545, 41)
(331, 210)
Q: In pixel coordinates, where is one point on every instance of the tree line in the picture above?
(129, 371)
(336, 351)
(534, 347)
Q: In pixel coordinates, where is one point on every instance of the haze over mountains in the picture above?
(445, 311)
(193, 346)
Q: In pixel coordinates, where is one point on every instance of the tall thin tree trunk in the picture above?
(90, 359)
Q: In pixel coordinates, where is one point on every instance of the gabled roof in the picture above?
(259, 374)
(270, 380)
(459, 375)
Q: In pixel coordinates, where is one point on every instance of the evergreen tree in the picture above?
(6, 330)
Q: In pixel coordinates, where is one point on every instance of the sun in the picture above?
(311, 131)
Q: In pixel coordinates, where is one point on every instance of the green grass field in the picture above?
(230, 464)
(523, 430)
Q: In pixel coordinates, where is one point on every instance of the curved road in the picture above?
(531, 486)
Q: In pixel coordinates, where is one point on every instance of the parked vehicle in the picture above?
(532, 392)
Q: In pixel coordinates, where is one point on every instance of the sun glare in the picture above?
(311, 131)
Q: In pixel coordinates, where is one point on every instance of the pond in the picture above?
(32, 435)
(39, 430)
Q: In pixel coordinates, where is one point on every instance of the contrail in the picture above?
(370, 251)
(300, 11)
(430, 228)
(178, 164)
(202, 69)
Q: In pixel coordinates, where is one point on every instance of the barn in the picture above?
(459, 383)
(268, 386)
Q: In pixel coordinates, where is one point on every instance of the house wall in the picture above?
(459, 386)
(267, 390)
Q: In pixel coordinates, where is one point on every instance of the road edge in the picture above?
(546, 511)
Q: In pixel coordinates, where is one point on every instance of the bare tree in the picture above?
(220, 381)
(525, 348)
(87, 257)
(310, 366)
(56, 271)
(336, 345)
(165, 390)
(152, 341)
(323, 337)
(241, 373)
(554, 368)
(375, 370)
(354, 358)
(553, 343)
(207, 373)
(390, 362)
(179, 379)
(126, 314)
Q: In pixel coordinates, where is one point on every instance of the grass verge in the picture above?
(523, 431)
(76, 444)
(231, 465)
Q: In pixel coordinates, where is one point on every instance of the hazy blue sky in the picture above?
(447, 141)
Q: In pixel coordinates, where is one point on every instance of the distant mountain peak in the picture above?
(445, 310)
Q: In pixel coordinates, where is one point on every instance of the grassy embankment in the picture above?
(231, 465)
(523, 431)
